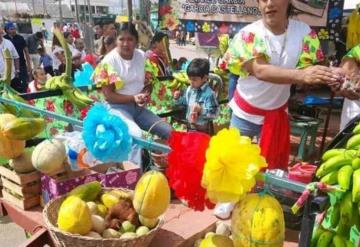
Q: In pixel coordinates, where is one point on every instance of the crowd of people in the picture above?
(264, 59)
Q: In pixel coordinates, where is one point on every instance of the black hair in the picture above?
(290, 10)
(129, 27)
(158, 37)
(198, 67)
(66, 34)
(39, 35)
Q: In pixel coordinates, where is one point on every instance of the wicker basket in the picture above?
(62, 238)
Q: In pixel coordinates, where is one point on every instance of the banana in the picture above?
(353, 142)
(348, 243)
(332, 153)
(355, 163)
(356, 130)
(346, 209)
(330, 178)
(356, 186)
(69, 94)
(11, 94)
(356, 216)
(343, 230)
(80, 95)
(325, 239)
(315, 237)
(335, 215)
(338, 241)
(4, 109)
(344, 176)
(336, 162)
(23, 128)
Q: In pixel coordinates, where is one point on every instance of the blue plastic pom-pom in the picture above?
(106, 136)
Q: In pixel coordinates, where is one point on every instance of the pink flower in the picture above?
(103, 73)
(113, 78)
(49, 105)
(319, 55)
(68, 107)
(248, 37)
(306, 48)
(53, 131)
(313, 34)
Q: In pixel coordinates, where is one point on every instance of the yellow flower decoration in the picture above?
(206, 27)
(323, 34)
(232, 162)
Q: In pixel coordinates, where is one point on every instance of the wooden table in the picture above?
(31, 221)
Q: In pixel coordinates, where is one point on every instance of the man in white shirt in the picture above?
(6, 44)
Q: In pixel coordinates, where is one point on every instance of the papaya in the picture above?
(152, 195)
(87, 192)
(74, 216)
(9, 148)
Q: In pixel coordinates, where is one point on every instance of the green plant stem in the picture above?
(68, 55)
(8, 66)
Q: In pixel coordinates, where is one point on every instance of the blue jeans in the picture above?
(233, 79)
(137, 119)
(246, 128)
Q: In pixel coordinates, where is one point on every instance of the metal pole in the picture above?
(77, 11)
(90, 12)
(60, 11)
(33, 5)
(130, 10)
(44, 8)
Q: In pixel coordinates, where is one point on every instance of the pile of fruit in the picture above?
(257, 220)
(90, 211)
(341, 167)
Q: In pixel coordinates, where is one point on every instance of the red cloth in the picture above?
(275, 133)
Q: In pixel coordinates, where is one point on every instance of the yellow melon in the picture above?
(152, 195)
(258, 219)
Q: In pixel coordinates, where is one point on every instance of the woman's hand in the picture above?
(320, 74)
(141, 99)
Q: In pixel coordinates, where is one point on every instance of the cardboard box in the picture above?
(52, 188)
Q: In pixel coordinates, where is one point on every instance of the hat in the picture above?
(9, 25)
(76, 54)
(58, 50)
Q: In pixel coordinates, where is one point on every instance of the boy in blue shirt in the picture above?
(199, 98)
(46, 61)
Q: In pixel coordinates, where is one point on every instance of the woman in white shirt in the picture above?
(128, 100)
(268, 55)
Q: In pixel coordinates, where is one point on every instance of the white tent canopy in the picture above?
(351, 4)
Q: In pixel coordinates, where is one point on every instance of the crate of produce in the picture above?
(21, 189)
(54, 186)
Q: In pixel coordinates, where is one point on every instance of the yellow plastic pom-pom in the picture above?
(232, 162)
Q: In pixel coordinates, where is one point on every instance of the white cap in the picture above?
(58, 50)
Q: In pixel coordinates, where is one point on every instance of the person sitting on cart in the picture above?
(39, 75)
(351, 68)
(123, 71)
(157, 64)
(199, 98)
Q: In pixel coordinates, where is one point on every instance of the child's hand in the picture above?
(197, 108)
(177, 94)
